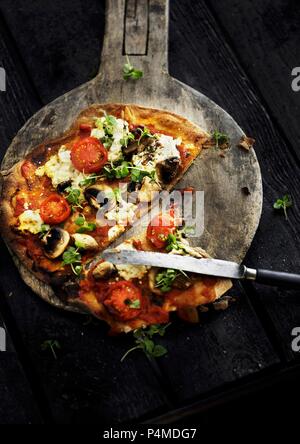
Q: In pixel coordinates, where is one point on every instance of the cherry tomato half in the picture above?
(123, 300)
(88, 155)
(54, 209)
(28, 169)
(159, 229)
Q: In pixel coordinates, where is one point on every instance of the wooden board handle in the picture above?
(137, 28)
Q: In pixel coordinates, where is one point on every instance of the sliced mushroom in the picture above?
(85, 241)
(168, 169)
(55, 242)
(99, 195)
(103, 270)
(63, 185)
(136, 146)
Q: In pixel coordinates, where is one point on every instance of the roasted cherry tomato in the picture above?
(88, 155)
(28, 169)
(123, 300)
(54, 209)
(159, 229)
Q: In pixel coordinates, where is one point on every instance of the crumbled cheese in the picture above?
(168, 148)
(30, 220)
(115, 231)
(60, 169)
(165, 147)
(123, 213)
(98, 133)
(119, 131)
(129, 271)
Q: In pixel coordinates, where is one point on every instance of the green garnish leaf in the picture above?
(118, 171)
(133, 304)
(129, 72)
(51, 344)
(89, 180)
(109, 124)
(84, 226)
(80, 220)
(283, 203)
(220, 139)
(126, 138)
(73, 196)
(76, 269)
(44, 229)
(88, 226)
(144, 342)
(165, 279)
(138, 174)
(145, 132)
(172, 243)
(73, 258)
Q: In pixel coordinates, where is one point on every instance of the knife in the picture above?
(209, 267)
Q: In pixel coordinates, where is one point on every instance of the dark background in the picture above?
(237, 363)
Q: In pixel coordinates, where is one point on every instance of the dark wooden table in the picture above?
(241, 55)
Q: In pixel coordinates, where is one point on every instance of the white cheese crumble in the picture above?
(30, 220)
(165, 147)
(168, 148)
(97, 133)
(60, 169)
(119, 131)
(129, 271)
(123, 213)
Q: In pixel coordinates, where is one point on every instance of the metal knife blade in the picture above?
(210, 267)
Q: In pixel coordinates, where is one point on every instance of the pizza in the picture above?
(71, 197)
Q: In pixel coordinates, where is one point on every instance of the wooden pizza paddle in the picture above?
(140, 30)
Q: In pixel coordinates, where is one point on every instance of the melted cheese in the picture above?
(30, 221)
(59, 168)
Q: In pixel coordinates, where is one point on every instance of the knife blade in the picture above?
(210, 267)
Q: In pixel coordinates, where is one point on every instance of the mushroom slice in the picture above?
(103, 270)
(55, 242)
(85, 241)
(99, 195)
(168, 169)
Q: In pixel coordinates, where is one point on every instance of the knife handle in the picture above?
(278, 278)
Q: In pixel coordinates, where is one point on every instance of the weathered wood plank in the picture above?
(265, 37)
(136, 27)
(218, 74)
(17, 402)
